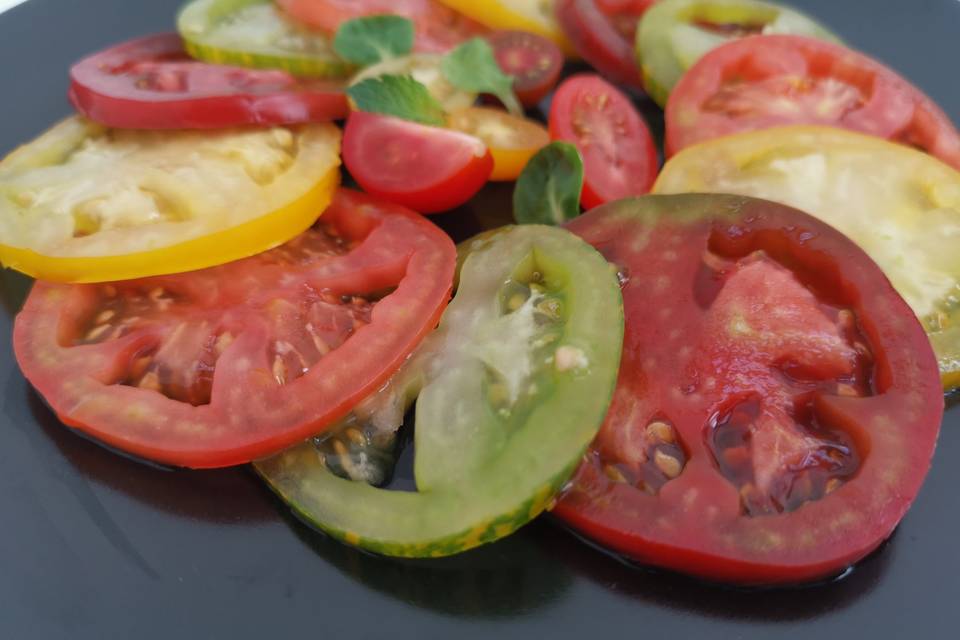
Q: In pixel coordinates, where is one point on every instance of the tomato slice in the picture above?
(674, 34)
(254, 33)
(151, 83)
(534, 16)
(220, 366)
(512, 386)
(900, 205)
(778, 404)
(534, 62)
(603, 33)
(428, 169)
(425, 69)
(83, 203)
(619, 156)
(765, 81)
(512, 140)
(438, 28)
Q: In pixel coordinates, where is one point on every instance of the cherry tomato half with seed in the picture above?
(766, 81)
(778, 403)
(224, 365)
(151, 83)
(512, 140)
(534, 62)
(426, 168)
(619, 155)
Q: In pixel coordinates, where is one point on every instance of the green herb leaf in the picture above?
(399, 96)
(548, 190)
(366, 41)
(472, 67)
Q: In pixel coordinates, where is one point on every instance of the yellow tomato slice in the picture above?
(512, 140)
(900, 205)
(87, 204)
(535, 16)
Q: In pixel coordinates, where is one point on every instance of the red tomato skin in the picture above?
(675, 529)
(218, 434)
(624, 163)
(116, 100)
(530, 91)
(888, 107)
(427, 169)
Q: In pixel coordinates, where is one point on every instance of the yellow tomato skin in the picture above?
(241, 241)
(499, 14)
(512, 140)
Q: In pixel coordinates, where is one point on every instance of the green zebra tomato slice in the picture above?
(254, 33)
(512, 387)
(674, 34)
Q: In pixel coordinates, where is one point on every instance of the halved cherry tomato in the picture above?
(221, 366)
(765, 81)
(619, 156)
(83, 203)
(428, 169)
(438, 28)
(535, 16)
(534, 62)
(512, 140)
(604, 33)
(151, 83)
(778, 403)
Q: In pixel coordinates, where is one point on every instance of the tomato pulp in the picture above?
(778, 403)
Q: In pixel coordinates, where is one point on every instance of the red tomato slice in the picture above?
(534, 62)
(221, 366)
(151, 83)
(428, 169)
(778, 402)
(760, 82)
(619, 156)
(604, 34)
(438, 28)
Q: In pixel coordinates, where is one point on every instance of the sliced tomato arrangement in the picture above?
(534, 62)
(619, 156)
(151, 83)
(426, 168)
(532, 16)
(425, 69)
(603, 33)
(674, 34)
(236, 362)
(778, 403)
(512, 387)
(83, 203)
(438, 28)
(512, 140)
(765, 81)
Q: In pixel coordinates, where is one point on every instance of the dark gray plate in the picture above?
(93, 545)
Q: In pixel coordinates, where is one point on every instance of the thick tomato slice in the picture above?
(778, 404)
(151, 83)
(604, 33)
(534, 62)
(534, 16)
(619, 155)
(766, 81)
(428, 169)
(221, 366)
(438, 28)
(512, 140)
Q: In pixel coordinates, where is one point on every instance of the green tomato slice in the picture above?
(254, 33)
(511, 387)
(425, 69)
(674, 34)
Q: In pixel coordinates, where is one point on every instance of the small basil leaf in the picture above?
(367, 41)
(472, 67)
(548, 190)
(399, 96)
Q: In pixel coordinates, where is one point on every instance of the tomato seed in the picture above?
(668, 465)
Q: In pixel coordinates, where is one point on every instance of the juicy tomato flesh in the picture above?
(619, 155)
(772, 424)
(211, 368)
(534, 62)
(151, 83)
(438, 28)
(766, 81)
(512, 140)
(428, 169)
